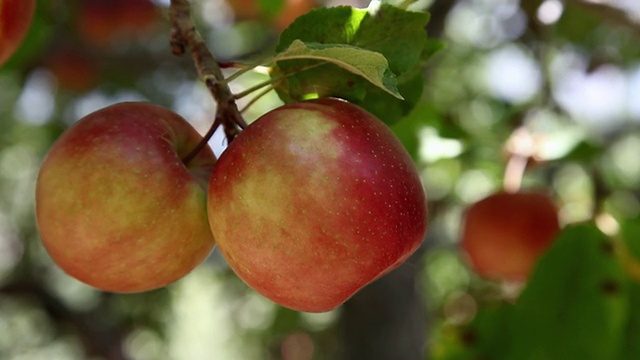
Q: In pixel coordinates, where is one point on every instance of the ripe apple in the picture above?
(15, 19)
(313, 201)
(505, 233)
(115, 205)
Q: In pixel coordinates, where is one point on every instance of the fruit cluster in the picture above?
(308, 204)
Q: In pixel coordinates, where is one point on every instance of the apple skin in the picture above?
(15, 20)
(505, 233)
(115, 206)
(313, 201)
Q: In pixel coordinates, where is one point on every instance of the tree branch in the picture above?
(184, 36)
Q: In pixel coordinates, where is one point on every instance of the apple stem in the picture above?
(267, 83)
(256, 98)
(521, 146)
(273, 81)
(184, 36)
(203, 143)
(514, 172)
(245, 68)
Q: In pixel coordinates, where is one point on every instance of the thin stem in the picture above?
(268, 83)
(521, 147)
(514, 172)
(272, 81)
(203, 143)
(184, 36)
(256, 98)
(243, 70)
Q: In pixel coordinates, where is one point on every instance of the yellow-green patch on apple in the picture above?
(315, 200)
(117, 208)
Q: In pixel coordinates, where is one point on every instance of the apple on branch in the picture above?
(116, 206)
(313, 201)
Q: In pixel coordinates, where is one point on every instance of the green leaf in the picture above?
(368, 64)
(398, 34)
(357, 40)
(631, 338)
(391, 110)
(432, 47)
(486, 336)
(575, 305)
(335, 81)
(407, 131)
(335, 25)
(630, 229)
(630, 247)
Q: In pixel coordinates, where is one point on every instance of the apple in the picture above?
(290, 10)
(117, 208)
(313, 201)
(107, 22)
(505, 233)
(245, 9)
(15, 20)
(74, 70)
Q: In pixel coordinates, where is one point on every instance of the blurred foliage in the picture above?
(566, 71)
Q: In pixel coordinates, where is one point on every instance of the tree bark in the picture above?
(387, 320)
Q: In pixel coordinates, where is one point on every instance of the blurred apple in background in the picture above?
(286, 12)
(117, 208)
(74, 70)
(107, 22)
(291, 10)
(505, 233)
(15, 20)
(315, 200)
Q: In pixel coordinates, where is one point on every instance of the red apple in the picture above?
(505, 234)
(315, 200)
(15, 20)
(117, 208)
